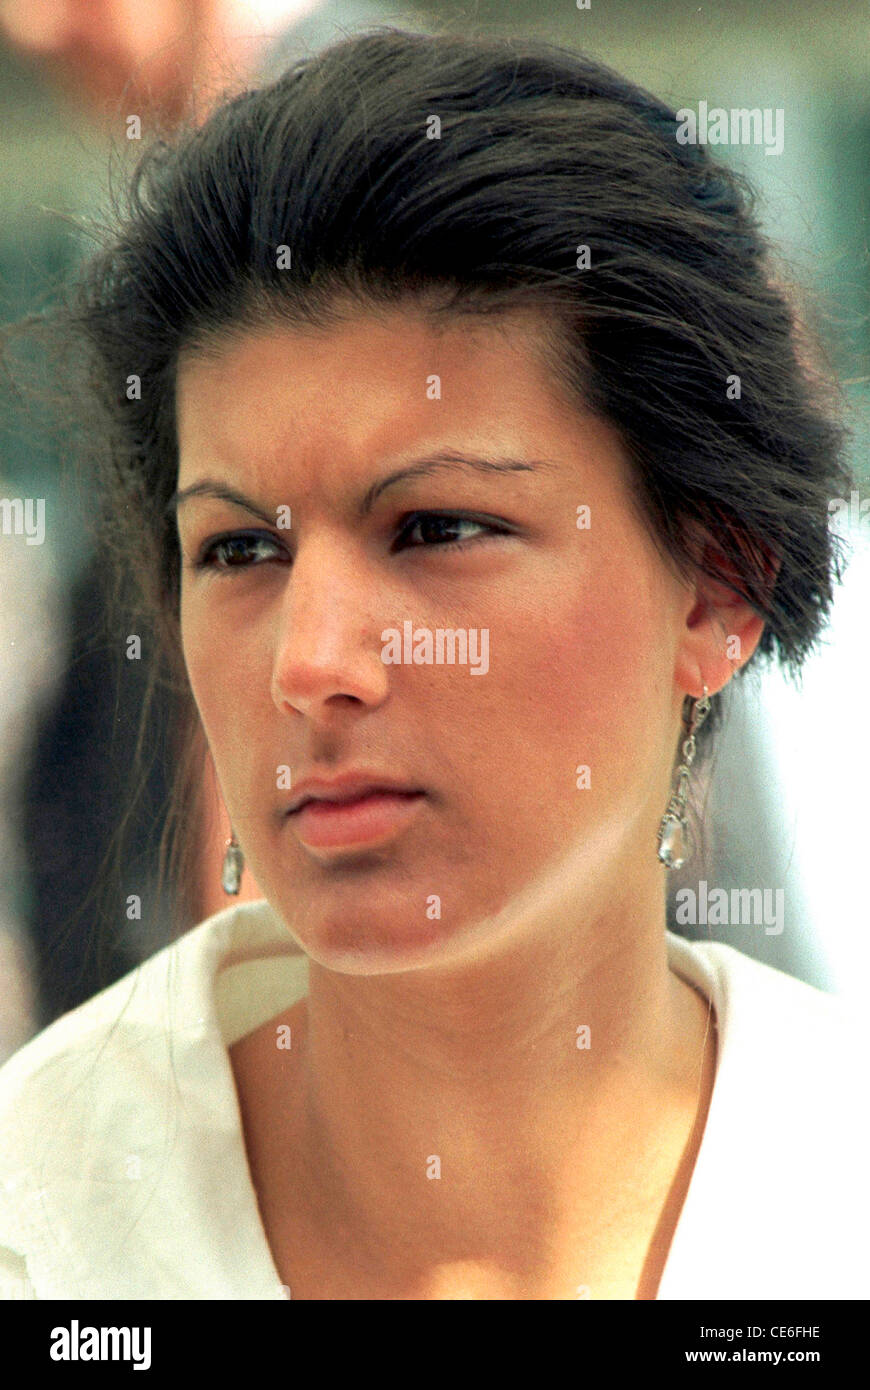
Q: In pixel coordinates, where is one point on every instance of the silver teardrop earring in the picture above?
(234, 863)
(674, 828)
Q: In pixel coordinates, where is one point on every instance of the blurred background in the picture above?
(785, 804)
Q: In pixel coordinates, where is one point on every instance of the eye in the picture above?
(248, 549)
(434, 524)
(240, 550)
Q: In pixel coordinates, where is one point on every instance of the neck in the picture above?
(448, 1112)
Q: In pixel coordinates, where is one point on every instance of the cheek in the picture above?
(581, 675)
(200, 658)
(218, 670)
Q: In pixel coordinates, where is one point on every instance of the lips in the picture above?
(367, 819)
(324, 801)
(347, 788)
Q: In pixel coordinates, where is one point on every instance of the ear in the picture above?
(721, 628)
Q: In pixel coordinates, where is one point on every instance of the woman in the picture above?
(466, 447)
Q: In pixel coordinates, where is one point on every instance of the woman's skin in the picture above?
(451, 1041)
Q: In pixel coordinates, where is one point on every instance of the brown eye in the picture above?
(437, 527)
(238, 551)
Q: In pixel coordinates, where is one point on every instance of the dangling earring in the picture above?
(674, 828)
(234, 863)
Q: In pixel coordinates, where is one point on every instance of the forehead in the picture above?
(403, 338)
(363, 381)
(319, 411)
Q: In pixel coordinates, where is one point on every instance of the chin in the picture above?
(376, 944)
(369, 916)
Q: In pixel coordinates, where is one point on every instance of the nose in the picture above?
(327, 641)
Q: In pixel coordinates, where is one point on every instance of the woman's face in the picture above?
(574, 632)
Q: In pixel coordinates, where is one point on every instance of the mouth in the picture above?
(373, 817)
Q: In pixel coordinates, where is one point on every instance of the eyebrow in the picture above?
(448, 461)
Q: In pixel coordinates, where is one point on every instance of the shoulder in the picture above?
(180, 976)
(136, 1001)
(778, 1204)
(756, 998)
(793, 1059)
(94, 1096)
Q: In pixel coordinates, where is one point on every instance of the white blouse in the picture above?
(124, 1175)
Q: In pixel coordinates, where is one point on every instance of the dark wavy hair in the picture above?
(464, 174)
